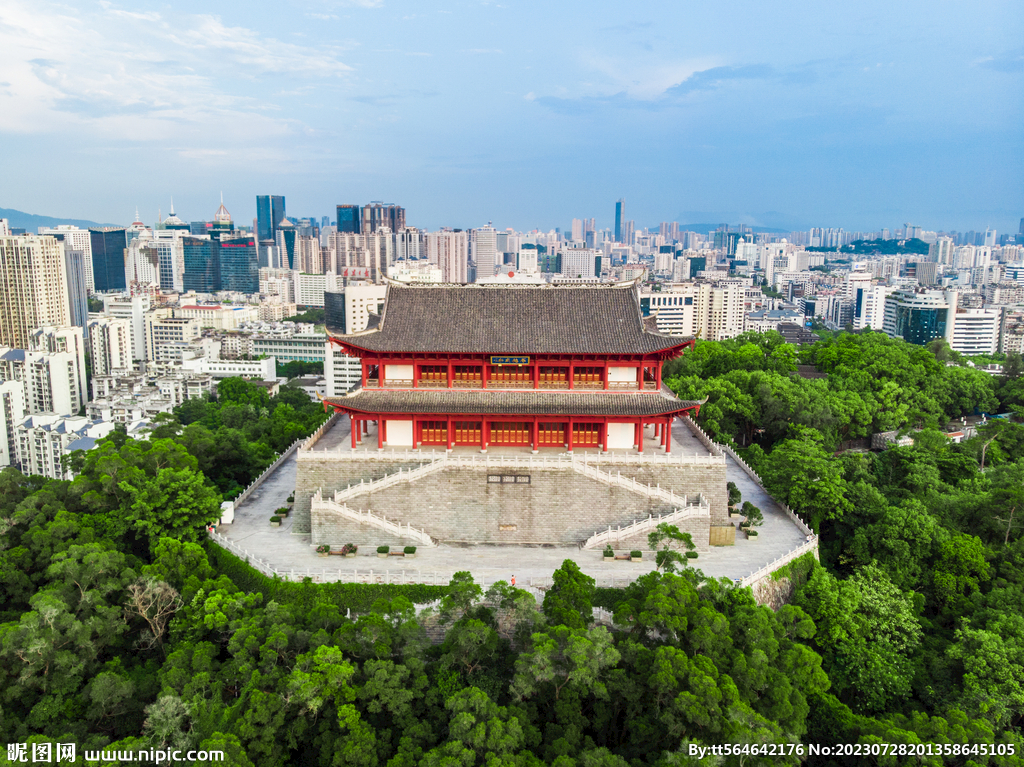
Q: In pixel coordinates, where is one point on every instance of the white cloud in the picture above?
(114, 75)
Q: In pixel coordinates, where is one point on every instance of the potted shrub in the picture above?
(382, 552)
(323, 550)
(275, 521)
(410, 551)
(753, 518)
(636, 555)
(282, 512)
(691, 554)
(735, 496)
(350, 550)
(609, 553)
(291, 499)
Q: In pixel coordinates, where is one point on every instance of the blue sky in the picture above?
(855, 114)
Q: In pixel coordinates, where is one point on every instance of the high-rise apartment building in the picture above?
(33, 287)
(52, 381)
(286, 234)
(108, 245)
(579, 262)
(12, 410)
(78, 298)
(410, 244)
(308, 255)
(133, 308)
(620, 209)
(577, 230)
(628, 233)
(75, 239)
(449, 250)
(485, 252)
(110, 345)
(378, 215)
(141, 262)
(348, 308)
(720, 310)
(68, 340)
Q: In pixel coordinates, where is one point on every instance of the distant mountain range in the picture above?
(704, 228)
(30, 222)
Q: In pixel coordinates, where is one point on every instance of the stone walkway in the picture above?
(289, 553)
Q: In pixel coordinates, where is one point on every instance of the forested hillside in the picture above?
(121, 629)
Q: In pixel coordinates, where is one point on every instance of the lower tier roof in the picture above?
(449, 402)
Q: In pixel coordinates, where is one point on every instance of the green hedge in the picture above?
(607, 597)
(798, 571)
(357, 597)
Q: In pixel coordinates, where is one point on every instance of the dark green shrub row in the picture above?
(357, 597)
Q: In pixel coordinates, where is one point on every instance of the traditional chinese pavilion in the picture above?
(551, 368)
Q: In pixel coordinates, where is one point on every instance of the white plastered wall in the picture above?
(399, 433)
(620, 436)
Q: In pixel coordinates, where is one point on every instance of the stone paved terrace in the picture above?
(285, 552)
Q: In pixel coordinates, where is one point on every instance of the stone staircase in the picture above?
(369, 518)
(389, 480)
(644, 526)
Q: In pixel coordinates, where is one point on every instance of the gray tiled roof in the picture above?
(511, 402)
(506, 319)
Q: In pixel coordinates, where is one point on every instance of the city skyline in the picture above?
(525, 115)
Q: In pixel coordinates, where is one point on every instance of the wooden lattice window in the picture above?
(434, 432)
(586, 434)
(551, 434)
(507, 433)
(466, 432)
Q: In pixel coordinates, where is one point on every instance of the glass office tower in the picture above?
(201, 267)
(349, 218)
(238, 264)
(108, 258)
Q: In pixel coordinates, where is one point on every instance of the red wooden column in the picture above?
(571, 369)
(603, 432)
(366, 427)
(451, 434)
(536, 435)
(640, 378)
(450, 371)
(568, 434)
(366, 366)
(354, 429)
(641, 442)
(483, 434)
(380, 433)
(657, 375)
(637, 435)
(483, 377)
(668, 435)
(606, 366)
(415, 379)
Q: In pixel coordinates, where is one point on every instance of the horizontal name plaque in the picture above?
(508, 479)
(509, 360)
